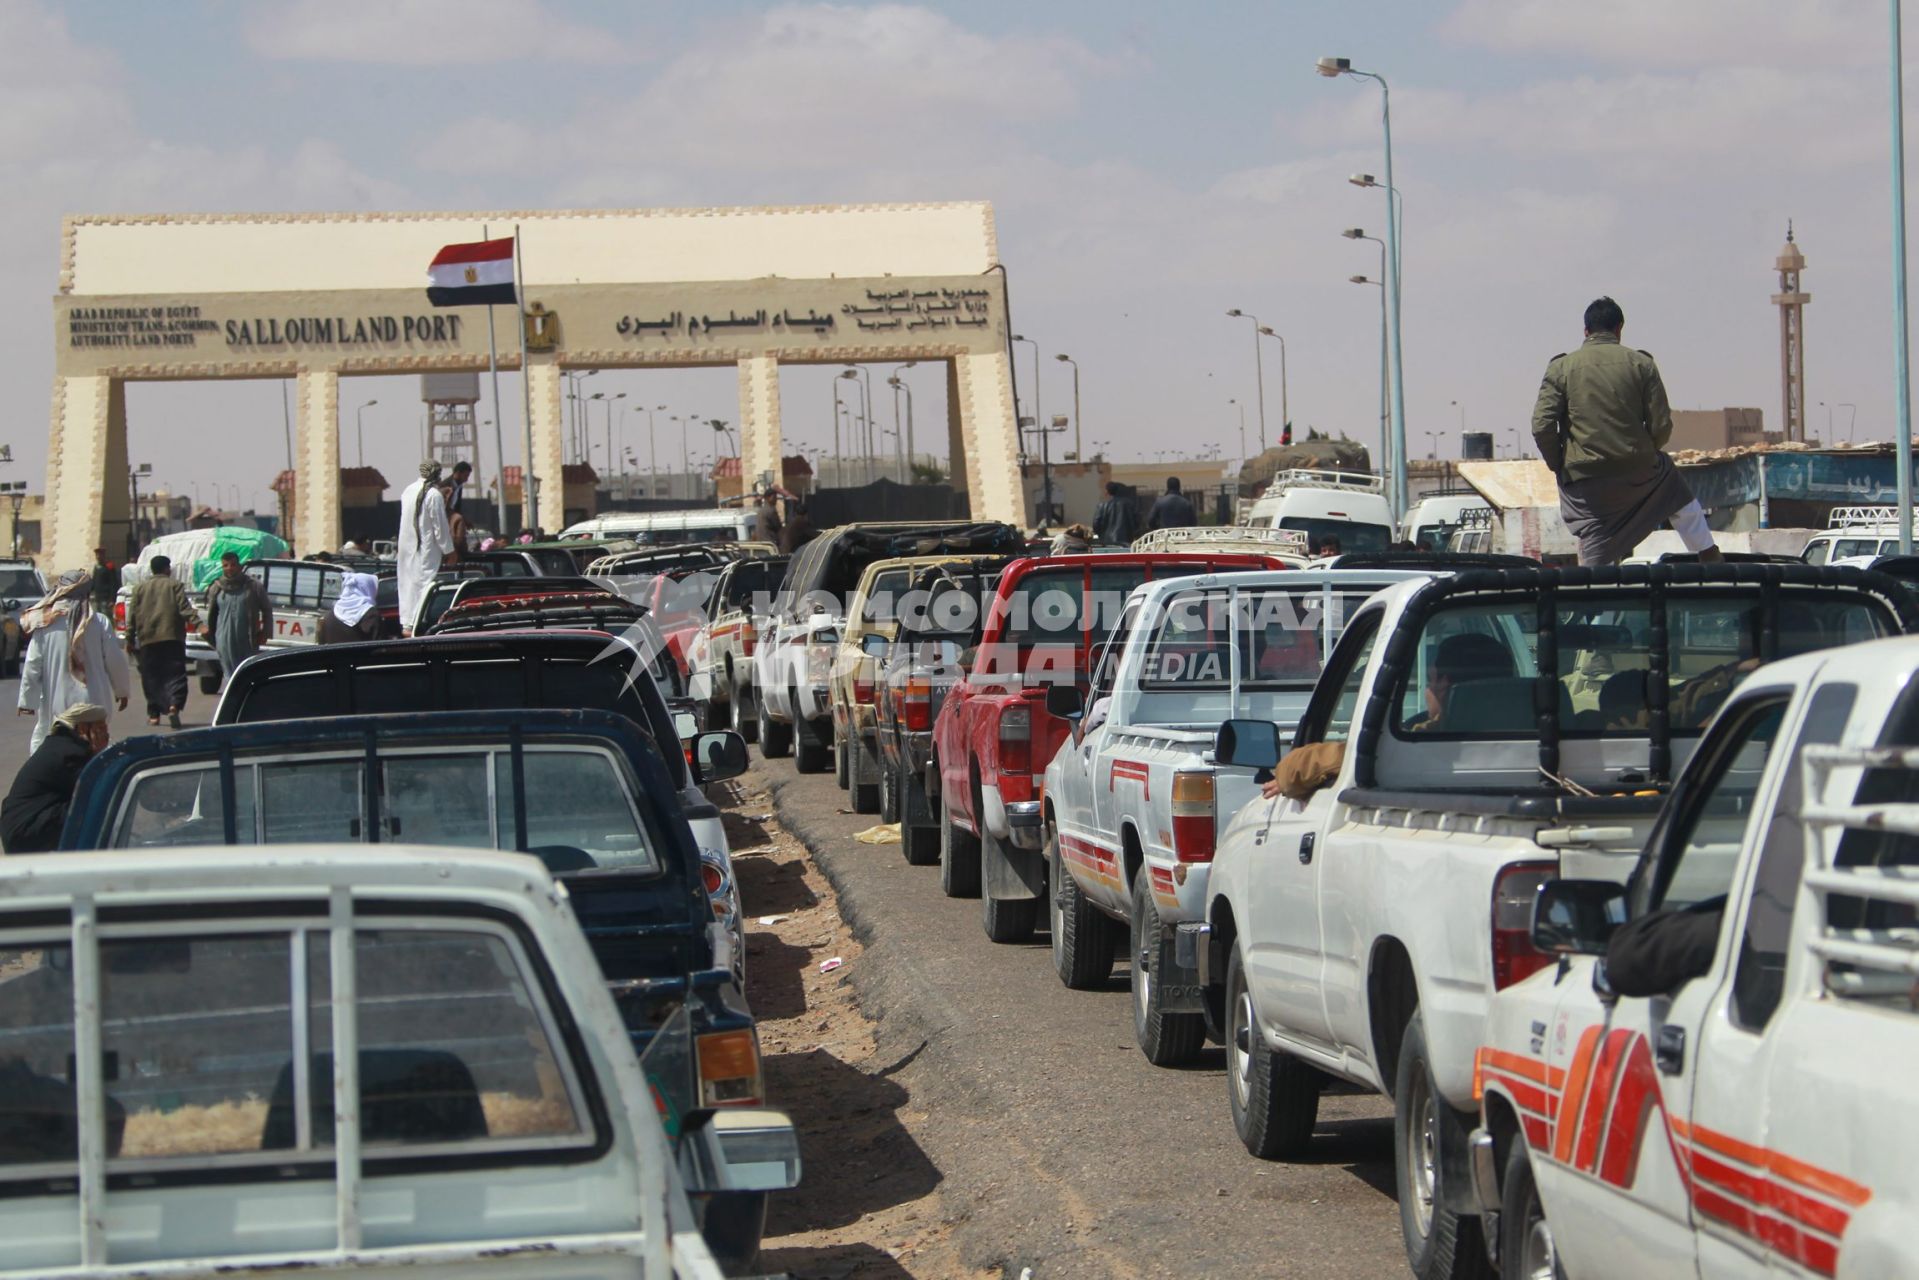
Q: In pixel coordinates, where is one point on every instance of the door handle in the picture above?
(1669, 1049)
(1306, 843)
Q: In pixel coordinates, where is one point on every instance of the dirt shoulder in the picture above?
(868, 1203)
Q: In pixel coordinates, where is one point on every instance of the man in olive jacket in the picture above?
(1602, 423)
(160, 616)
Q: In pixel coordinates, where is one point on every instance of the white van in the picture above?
(1347, 505)
(1432, 519)
(668, 528)
(1854, 531)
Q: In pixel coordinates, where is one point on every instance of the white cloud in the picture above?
(1812, 35)
(429, 33)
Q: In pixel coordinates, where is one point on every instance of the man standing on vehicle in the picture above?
(239, 614)
(159, 616)
(1601, 423)
(766, 520)
(426, 538)
(1173, 510)
(462, 472)
(1117, 519)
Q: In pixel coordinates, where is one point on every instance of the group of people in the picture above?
(788, 534)
(1116, 520)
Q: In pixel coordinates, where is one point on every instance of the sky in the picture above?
(1150, 166)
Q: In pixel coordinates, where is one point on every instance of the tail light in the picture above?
(1193, 817)
(120, 615)
(863, 682)
(1514, 956)
(1016, 740)
(916, 704)
(729, 1069)
(714, 878)
(748, 638)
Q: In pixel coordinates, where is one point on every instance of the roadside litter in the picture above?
(884, 833)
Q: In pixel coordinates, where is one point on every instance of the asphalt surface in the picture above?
(1059, 1146)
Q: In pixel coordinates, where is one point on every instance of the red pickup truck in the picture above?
(994, 738)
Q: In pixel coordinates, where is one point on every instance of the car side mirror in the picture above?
(741, 1149)
(719, 755)
(1577, 917)
(1065, 701)
(874, 644)
(1252, 744)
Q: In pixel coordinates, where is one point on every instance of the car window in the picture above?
(1189, 647)
(439, 799)
(1818, 551)
(284, 697)
(1472, 672)
(313, 801)
(20, 584)
(181, 806)
(388, 687)
(1332, 720)
(578, 813)
(1700, 851)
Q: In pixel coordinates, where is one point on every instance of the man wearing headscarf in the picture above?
(36, 807)
(354, 616)
(160, 614)
(71, 656)
(425, 540)
(239, 613)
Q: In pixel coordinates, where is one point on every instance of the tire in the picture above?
(1440, 1243)
(1083, 938)
(733, 1226)
(890, 796)
(1525, 1237)
(1167, 1039)
(1274, 1097)
(745, 723)
(1007, 920)
(810, 755)
(959, 859)
(920, 844)
(776, 739)
(866, 795)
(842, 767)
(209, 684)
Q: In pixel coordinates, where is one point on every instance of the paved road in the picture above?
(1061, 1146)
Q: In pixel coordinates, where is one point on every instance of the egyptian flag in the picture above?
(472, 275)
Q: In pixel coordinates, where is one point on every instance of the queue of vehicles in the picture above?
(1471, 755)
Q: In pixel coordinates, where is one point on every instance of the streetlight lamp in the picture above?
(1432, 446)
(1385, 433)
(359, 429)
(1259, 371)
(16, 493)
(852, 374)
(1037, 420)
(1333, 67)
(899, 384)
(1078, 456)
(1285, 414)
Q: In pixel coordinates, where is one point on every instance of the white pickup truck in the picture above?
(335, 1060)
(1471, 738)
(1134, 795)
(1714, 1081)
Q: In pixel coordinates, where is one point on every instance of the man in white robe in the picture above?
(426, 538)
(72, 656)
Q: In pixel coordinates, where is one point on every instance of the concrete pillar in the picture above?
(759, 421)
(316, 460)
(86, 472)
(549, 419)
(979, 393)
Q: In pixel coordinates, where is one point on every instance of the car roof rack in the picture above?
(1310, 478)
(1851, 517)
(1226, 537)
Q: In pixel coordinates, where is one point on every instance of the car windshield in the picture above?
(1282, 636)
(1049, 606)
(1349, 534)
(1474, 672)
(570, 805)
(20, 584)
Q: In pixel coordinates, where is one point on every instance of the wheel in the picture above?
(959, 860)
(890, 795)
(209, 684)
(1440, 1243)
(733, 1225)
(1525, 1237)
(1274, 1097)
(842, 767)
(744, 722)
(1006, 919)
(920, 842)
(1083, 938)
(776, 739)
(1167, 1039)
(866, 795)
(810, 755)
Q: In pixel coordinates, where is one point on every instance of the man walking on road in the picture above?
(1173, 510)
(1602, 423)
(1117, 520)
(160, 615)
(239, 614)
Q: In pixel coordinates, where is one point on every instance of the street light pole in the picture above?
(1259, 372)
(1342, 66)
(1037, 419)
(359, 428)
(1901, 373)
(652, 453)
(1285, 413)
(1078, 453)
(1852, 420)
(895, 380)
(1385, 379)
(1242, 430)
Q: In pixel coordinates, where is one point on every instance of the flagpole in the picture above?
(528, 510)
(493, 367)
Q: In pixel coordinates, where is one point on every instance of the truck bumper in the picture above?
(1192, 949)
(917, 752)
(1020, 823)
(1485, 1176)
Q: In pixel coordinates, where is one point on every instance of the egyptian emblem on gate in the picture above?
(542, 327)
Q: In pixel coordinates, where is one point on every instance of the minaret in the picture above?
(1792, 339)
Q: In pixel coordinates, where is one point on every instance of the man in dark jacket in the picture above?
(160, 616)
(1116, 521)
(36, 808)
(1173, 510)
(798, 530)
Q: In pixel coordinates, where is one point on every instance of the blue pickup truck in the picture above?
(586, 792)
